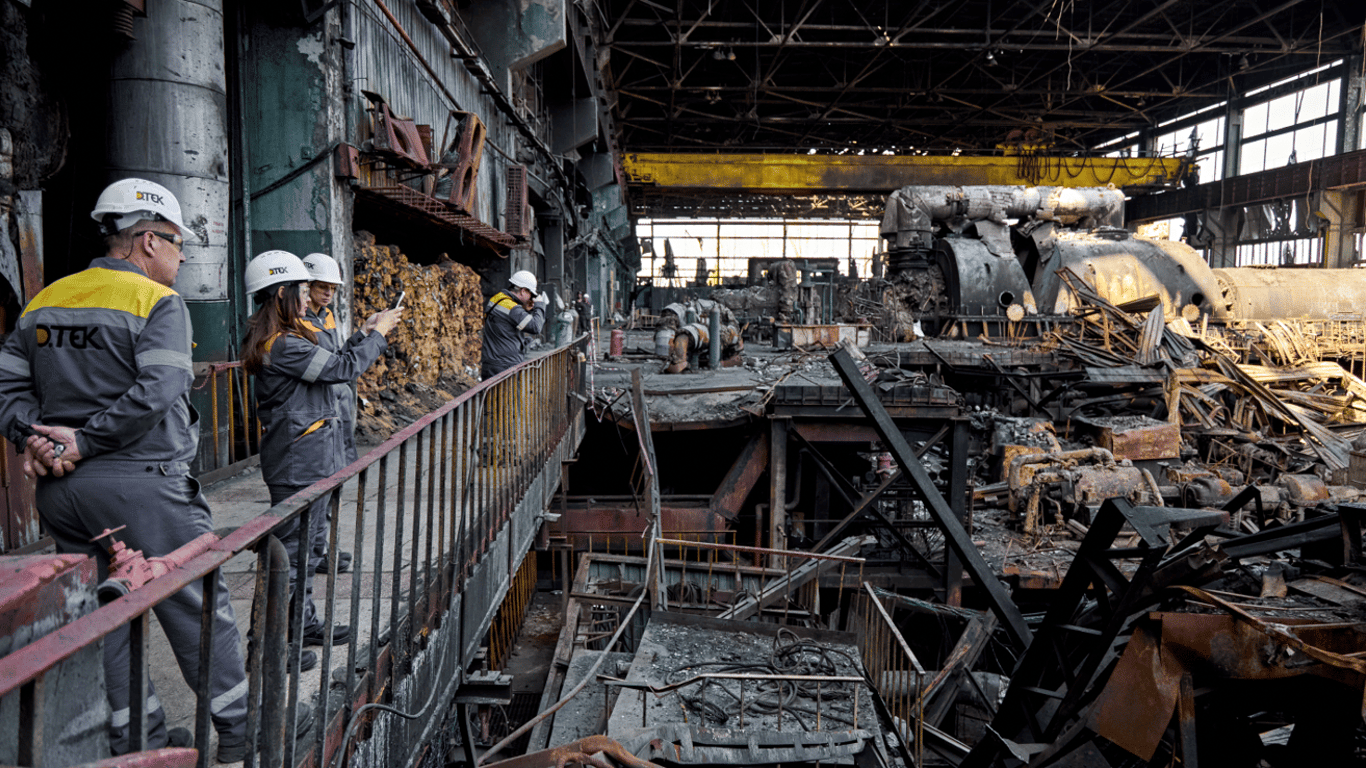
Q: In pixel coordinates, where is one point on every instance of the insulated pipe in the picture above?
(911, 211)
(714, 332)
(169, 91)
(169, 113)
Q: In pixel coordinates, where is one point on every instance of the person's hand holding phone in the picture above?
(385, 320)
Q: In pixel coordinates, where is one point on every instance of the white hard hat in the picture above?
(323, 268)
(523, 279)
(128, 201)
(273, 268)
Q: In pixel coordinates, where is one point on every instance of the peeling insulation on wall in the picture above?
(433, 354)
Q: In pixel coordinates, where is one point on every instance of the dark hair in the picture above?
(272, 318)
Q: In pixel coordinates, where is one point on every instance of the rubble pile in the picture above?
(433, 353)
(909, 296)
(1266, 421)
(751, 301)
(1197, 604)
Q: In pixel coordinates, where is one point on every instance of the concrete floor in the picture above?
(235, 501)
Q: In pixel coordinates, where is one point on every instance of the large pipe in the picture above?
(168, 92)
(168, 99)
(1253, 293)
(912, 211)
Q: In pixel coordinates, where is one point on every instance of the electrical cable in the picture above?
(717, 703)
(339, 758)
(590, 675)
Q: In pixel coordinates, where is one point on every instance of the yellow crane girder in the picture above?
(813, 174)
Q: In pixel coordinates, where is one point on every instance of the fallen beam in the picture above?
(796, 578)
(954, 534)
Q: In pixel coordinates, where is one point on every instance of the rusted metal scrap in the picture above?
(1204, 670)
(592, 750)
(1138, 702)
(1083, 478)
(685, 744)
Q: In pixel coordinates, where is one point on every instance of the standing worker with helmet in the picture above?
(99, 367)
(325, 278)
(509, 317)
(302, 439)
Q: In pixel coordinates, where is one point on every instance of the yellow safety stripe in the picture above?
(329, 322)
(98, 288)
(314, 427)
(501, 301)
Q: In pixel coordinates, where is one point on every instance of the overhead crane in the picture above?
(807, 174)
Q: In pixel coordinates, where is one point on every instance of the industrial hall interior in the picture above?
(659, 383)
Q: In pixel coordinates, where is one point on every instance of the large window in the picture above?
(1281, 252)
(727, 246)
(1206, 138)
(1291, 121)
(1298, 126)
(1124, 146)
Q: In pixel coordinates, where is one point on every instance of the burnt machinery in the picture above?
(999, 255)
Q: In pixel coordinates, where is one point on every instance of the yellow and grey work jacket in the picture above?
(302, 441)
(105, 351)
(506, 325)
(323, 323)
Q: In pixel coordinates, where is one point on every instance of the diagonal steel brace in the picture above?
(954, 533)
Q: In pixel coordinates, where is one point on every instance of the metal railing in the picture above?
(616, 543)
(795, 588)
(892, 667)
(234, 432)
(508, 624)
(469, 479)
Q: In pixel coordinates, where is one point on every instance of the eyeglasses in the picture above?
(176, 240)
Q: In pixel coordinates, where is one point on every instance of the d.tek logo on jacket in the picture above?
(74, 336)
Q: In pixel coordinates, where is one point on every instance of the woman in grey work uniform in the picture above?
(302, 439)
(325, 274)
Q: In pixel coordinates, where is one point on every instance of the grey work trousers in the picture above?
(289, 536)
(347, 421)
(162, 509)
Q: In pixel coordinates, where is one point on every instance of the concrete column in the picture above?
(1233, 136)
(552, 240)
(1349, 127)
(1223, 224)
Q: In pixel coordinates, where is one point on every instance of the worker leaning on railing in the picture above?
(94, 386)
(302, 431)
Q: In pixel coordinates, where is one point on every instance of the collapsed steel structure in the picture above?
(1001, 254)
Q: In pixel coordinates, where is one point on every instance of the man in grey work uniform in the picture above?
(510, 316)
(99, 363)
